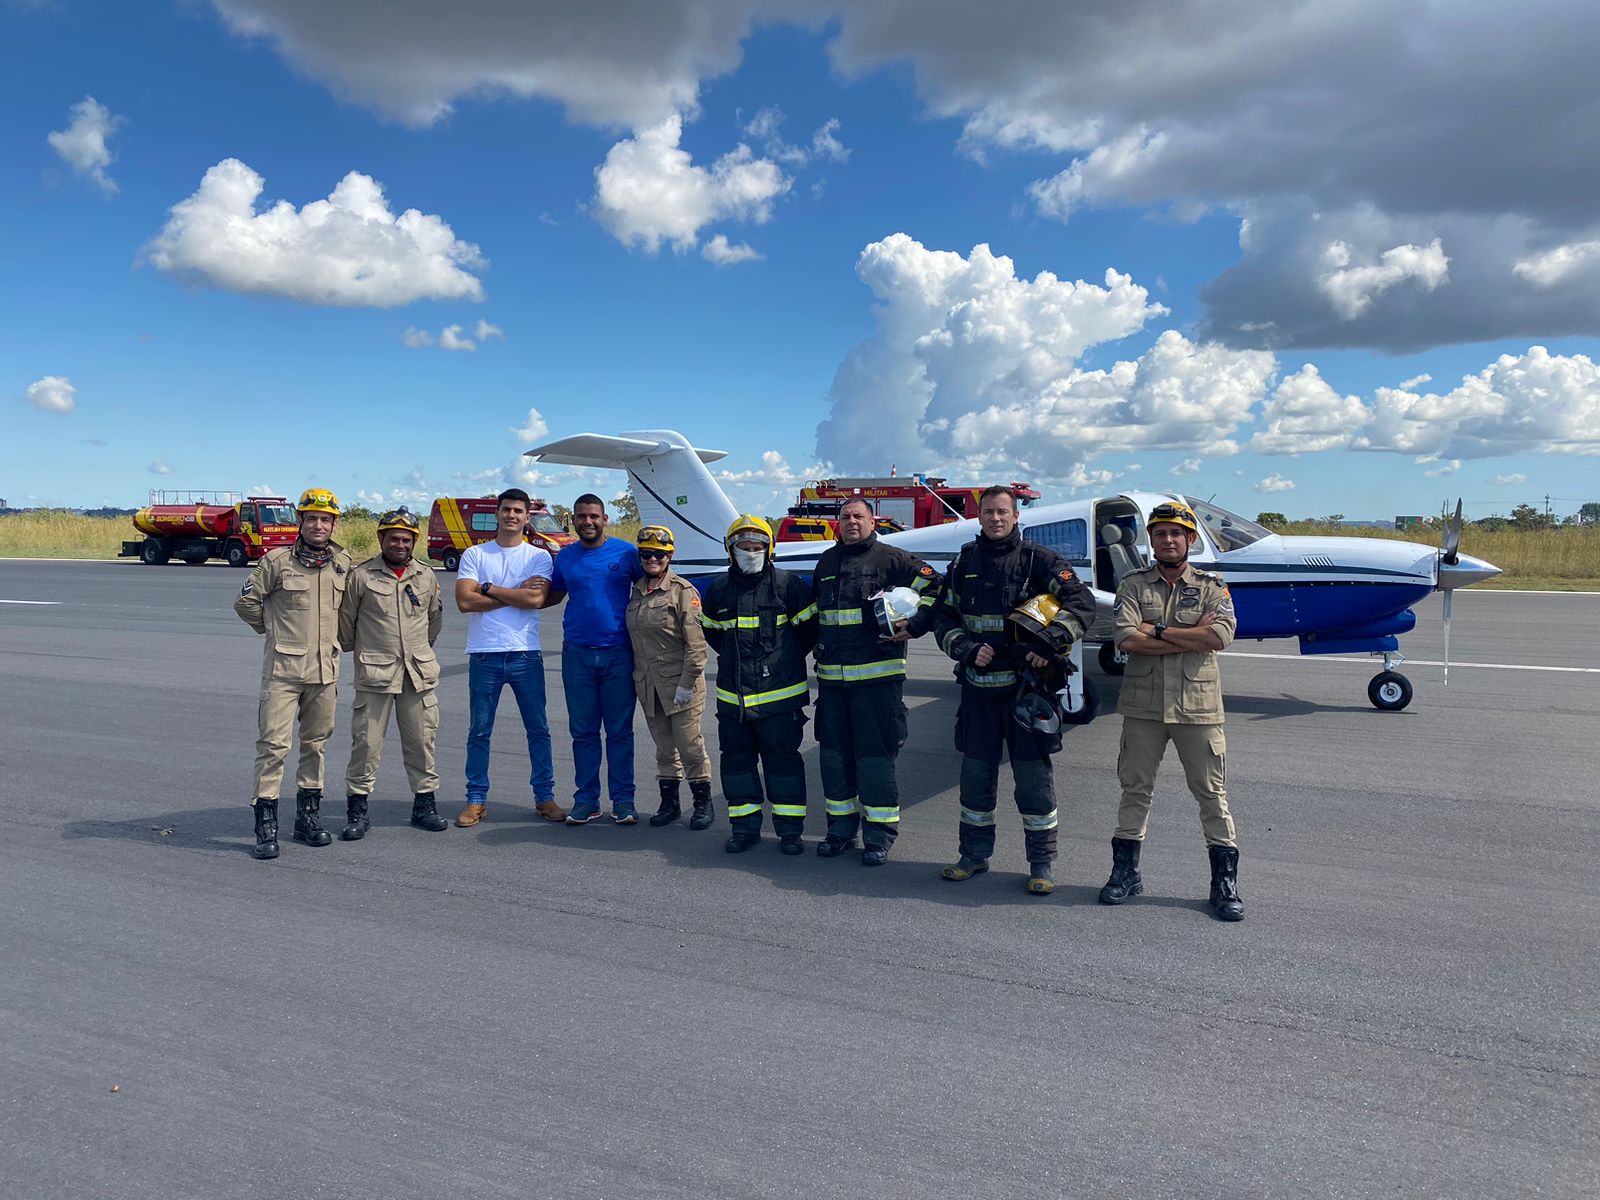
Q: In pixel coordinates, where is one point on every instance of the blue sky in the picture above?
(577, 173)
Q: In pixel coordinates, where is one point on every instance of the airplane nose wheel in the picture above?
(1389, 691)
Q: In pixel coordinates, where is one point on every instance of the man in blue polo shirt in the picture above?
(597, 574)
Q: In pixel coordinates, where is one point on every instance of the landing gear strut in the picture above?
(1390, 690)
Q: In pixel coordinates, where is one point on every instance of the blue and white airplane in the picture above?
(1336, 595)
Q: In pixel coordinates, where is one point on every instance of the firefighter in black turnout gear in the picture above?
(861, 671)
(761, 622)
(991, 576)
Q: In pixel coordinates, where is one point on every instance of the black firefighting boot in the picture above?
(308, 818)
(425, 814)
(1125, 882)
(703, 815)
(1225, 900)
(356, 823)
(266, 829)
(669, 810)
(1040, 880)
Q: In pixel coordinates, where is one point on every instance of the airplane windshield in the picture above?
(545, 523)
(277, 514)
(1228, 529)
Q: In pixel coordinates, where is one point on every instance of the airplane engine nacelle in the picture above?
(1375, 636)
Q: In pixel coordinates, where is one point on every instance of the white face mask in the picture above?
(750, 561)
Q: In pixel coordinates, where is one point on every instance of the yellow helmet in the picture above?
(315, 499)
(655, 537)
(748, 523)
(399, 518)
(1173, 513)
(1032, 617)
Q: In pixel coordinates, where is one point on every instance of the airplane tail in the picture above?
(670, 483)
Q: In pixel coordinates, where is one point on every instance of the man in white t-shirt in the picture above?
(501, 585)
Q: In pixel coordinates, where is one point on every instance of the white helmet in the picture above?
(896, 604)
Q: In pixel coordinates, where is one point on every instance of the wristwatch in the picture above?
(1158, 631)
(483, 588)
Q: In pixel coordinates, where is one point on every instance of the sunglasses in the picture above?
(652, 555)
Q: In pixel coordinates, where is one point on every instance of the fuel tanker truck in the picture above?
(193, 530)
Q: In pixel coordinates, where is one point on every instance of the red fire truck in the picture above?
(195, 526)
(900, 501)
(461, 521)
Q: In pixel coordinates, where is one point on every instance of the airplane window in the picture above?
(1070, 539)
(1228, 529)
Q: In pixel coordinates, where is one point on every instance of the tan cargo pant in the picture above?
(680, 746)
(281, 704)
(417, 715)
(1202, 749)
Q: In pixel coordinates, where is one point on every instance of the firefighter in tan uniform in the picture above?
(293, 598)
(390, 618)
(1171, 621)
(669, 675)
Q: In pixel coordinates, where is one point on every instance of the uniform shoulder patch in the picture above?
(249, 586)
(926, 572)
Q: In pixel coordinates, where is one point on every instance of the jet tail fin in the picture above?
(670, 484)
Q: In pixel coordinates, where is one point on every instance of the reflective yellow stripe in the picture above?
(882, 816)
(855, 672)
(742, 810)
(840, 616)
(805, 614)
(843, 808)
(712, 623)
(788, 810)
(977, 624)
(1045, 822)
(753, 622)
(758, 698)
(947, 642)
(971, 816)
(998, 679)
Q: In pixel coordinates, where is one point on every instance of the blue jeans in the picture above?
(487, 674)
(599, 690)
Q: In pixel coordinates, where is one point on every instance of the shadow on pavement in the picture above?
(231, 829)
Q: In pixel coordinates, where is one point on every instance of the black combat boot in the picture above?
(790, 843)
(703, 815)
(669, 810)
(741, 840)
(424, 815)
(308, 818)
(266, 829)
(356, 823)
(874, 855)
(834, 845)
(1225, 900)
(1125, 882)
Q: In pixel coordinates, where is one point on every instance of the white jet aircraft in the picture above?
(1336, 595)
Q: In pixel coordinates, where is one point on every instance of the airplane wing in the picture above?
(602, 450)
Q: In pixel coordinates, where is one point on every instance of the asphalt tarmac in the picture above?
(527, 1010)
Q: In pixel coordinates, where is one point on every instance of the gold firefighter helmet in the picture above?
(399, 518)
(315, 499)
(655, 537)
(1172, 512)
(748, 524)
(1030, 619)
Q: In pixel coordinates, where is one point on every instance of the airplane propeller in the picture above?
(1449, 556)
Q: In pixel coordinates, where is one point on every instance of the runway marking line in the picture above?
(30, 602)
(1416, 662)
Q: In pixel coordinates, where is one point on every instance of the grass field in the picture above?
(1556, 559)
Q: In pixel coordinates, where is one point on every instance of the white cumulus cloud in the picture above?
(1509, 480)
(84, 145)
(1352, 289)
(1554, 266)
(1520, 404)
(161, 467)
(1189, 466)
(349, 249)
(1304, 414)
(486, 330)
(973, 367)
(722, 253)
(534, 429)
(53, 393)
(1275, 483)
(649, 189)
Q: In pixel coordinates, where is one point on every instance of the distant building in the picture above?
(1408, 522)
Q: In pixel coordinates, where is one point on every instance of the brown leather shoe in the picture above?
(471, 815)
(550, 810)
